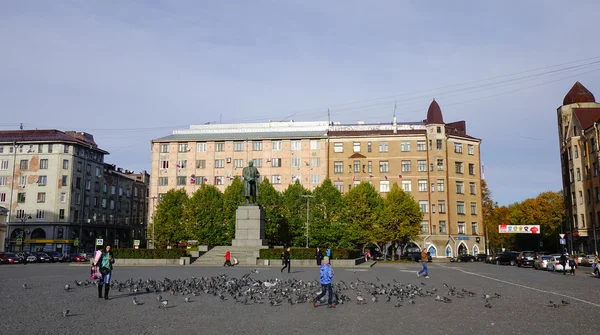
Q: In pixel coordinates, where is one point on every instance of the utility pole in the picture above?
(307, 212)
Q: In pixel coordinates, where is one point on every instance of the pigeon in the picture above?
(565, 302)
(488, 305)
(163, 304)
(187, 299)
(398, 304)
(360, 300)
(65, 313)
(67, 287)
(255, 271)
(136, 302)
(24, 285)
(159, 298)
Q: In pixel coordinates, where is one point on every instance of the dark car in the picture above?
(526, 258)
(463, 258)
(78, 258)
(10, 258)
(43, 257)
(56, 256)
(481, 257)
(507, 257)
(414, 256)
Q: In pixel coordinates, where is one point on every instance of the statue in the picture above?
(251, 175)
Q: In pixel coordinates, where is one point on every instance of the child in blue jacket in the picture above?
(326, 275)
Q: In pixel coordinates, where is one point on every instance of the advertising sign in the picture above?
(519, 229)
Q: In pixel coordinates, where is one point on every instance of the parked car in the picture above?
(463, 258)
(506, 257)
(554, 263)
(481, 258)
(412, 256)
(541, 263)
(56, 256)
(78, 258)
(43, 257)
(526, 258)
(588, 260)
(31, 258)
(10, 258)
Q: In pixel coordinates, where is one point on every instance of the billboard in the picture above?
(519, 229)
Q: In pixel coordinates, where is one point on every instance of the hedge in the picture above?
(309, 253)
(149, 253)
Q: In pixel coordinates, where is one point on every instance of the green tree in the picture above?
(271, 201)
(325, 209)
(400, 218)
(168, 218)
(203, 216)
(362, 206)
(294, 213)
(233, 197)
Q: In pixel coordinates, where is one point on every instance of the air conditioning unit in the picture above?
(228, 159)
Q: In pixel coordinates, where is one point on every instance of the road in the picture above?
(521, 309)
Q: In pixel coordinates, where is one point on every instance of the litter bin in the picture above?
(266, 262)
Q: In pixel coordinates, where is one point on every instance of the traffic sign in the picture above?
(19, 241)
(136, 242)
(563, 241)
(99, 241)
(76, 243)
(561, 236)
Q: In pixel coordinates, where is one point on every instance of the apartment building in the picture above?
(578, 122)
(437, 163)
(55, 186)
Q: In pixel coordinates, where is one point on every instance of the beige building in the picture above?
(578, 123)
(438, 163)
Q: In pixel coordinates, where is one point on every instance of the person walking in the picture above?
(227, 258)
(424, 264)
(572, 265)
(319, 256)
(328, 254)
(106, 266)
(96, 264)
(326, 275)
(286, 260)
(563, 262)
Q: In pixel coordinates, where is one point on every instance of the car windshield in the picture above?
(545, 258)
(11, 255)
(529, 254)
(42, 254)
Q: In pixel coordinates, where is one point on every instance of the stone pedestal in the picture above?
(249, 227)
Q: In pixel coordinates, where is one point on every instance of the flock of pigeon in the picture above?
(275, 292)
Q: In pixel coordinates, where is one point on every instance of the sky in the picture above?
(132, 71)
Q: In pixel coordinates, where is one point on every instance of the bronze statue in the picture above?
(251, 176)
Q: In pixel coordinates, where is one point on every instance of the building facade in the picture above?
(578, 123)
(55, 186)
(437, 162)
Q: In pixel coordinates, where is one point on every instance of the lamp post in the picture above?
(307, 212)
(153, 216)
(24, 218)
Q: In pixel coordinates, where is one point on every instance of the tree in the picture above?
(294, 213)
(203, 216)
(271, 201)
(233, 197)
(168, 218)
(362, 205)
(400, 218)
(325, 207)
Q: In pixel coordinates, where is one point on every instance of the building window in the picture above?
(103, 203)
(440, 165)
(257, 145)
(315, 179)
(459, 167)
(183, 147)
(295, 145)
(201, 147)
(384, 186)
(439, 144)
(406, 185)
(442, 206)
(421, 146)
(425, 227)
(21, 198)
(3, 180)
(315, 144)
(50, 147)
(39, 213)
(315, 162)
(88, 185)
(338, 167)
(442, 227)
(384, 166)
(66, 148)
(295, 162)
(369, 166)
(472, 188)
(474, 228)
(63, 197)
(338, 147)
(460, 187)
(576, 151)
(238, 146)
(201, 164)
(383, 146)
(24, 164)
(356, 146)
(473, 208)
(424, 205)
(458, 148)
(405, 146)
(41, 197)
(163, 181)
(570, 153)
(580, 198)
(461, 227)
(460, 207)
(369, 147)
(441, 186)
(219, 163)
(276, 162)
(105, 188)
(405, 166)
(257, 162)
(43, 164)
(275, 179)
(339, 185)
(422, 166)
(182, 164)
(22, 181)
(42, 180)
(164, 148)
(238, 163)
(578, 174)
(219, 180)
(472, 169)
(181, 180)
(219, 146)
(64, 180)
(356, 166)
(470, 149)
(164, 164)
(422, 185)
(276, 145)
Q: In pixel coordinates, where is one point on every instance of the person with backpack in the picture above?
(106, 268)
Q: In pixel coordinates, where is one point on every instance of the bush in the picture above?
(149, 253)
(309, 253)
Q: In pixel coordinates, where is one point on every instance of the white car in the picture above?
(554, 264)
(541, 263)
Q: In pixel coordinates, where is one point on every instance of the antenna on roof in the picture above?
(21, 127)
(328, 117)
(395, 109)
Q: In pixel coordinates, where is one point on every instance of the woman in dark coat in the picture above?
(319, 256)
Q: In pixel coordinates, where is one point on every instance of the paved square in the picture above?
(521, 309)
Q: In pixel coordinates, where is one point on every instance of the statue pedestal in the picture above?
(249, 227)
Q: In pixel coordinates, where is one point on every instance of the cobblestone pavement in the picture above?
(521, 309)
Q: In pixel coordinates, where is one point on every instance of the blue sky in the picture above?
(131, 71)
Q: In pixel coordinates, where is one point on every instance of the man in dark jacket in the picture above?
(319, 256)
(286, 259)
(563, 262)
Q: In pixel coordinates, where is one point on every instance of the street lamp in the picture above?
(23, 219)
(307, 213)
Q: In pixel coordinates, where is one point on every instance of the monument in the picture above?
(250, 218)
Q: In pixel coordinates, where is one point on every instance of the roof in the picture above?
(241, 136)
(376, 132)
(577, 94)
(587, 116)
(434, 114)
(49, 135)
